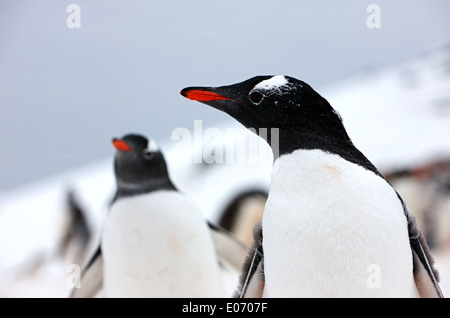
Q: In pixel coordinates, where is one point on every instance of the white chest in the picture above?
(333, 228)
(158, 245)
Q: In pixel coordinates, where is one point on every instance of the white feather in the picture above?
(277, 84)
(158, 245)
(327, 224)
(152, 145)
(274, 82)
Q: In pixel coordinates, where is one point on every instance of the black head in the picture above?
(139, 166)
(302, 118)
(266, 102)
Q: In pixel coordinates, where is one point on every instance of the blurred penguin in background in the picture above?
(155, 241)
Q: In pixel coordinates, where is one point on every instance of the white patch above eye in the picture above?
(152, 146)
(273, 83)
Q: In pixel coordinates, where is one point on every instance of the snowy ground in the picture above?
(398, 116)
(32, 216)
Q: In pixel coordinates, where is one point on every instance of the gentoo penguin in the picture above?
(332, 225)
(242, 213)
(77, 233)
(155, 242)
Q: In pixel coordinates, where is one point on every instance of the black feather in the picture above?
(254, 258)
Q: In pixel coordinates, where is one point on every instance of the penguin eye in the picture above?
(147, 154)
(255, 97)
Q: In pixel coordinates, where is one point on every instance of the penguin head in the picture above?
(304, 119)
(266, 102)
(138, 163)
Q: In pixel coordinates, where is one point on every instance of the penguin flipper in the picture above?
(91, 278)
(426, 280)
(426, 276)
(230, 251)
(251, 284)
(77, 235)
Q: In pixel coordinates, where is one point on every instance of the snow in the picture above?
(152, 145)
(399, 116)
(30, 216)
(272, 84)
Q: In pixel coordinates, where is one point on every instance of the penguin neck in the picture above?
(125, 189)
(334, 141)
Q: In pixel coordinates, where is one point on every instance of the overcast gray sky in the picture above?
(64, 93)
